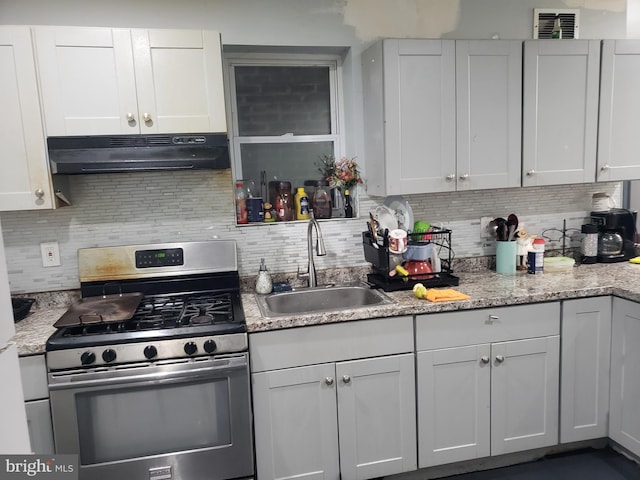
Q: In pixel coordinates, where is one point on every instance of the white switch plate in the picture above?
(50, 254)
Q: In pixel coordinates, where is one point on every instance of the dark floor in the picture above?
(589, 464)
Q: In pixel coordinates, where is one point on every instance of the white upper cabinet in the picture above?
(618, 139)
(409, 116)
(442, 115)
(98, 81)
(489, 114)
(25, 183)
(560, 119)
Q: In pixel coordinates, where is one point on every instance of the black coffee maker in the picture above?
(616, 234)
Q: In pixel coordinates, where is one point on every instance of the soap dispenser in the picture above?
(263, 282)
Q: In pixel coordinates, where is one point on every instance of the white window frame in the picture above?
(334, 62)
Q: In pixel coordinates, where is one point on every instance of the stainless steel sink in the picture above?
(320, 299)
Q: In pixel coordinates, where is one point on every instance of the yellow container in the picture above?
(301, 202)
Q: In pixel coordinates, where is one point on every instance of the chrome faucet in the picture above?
(320, 250)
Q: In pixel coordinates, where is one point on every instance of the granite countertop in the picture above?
(486, 289)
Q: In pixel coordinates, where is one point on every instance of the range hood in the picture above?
(134, 153)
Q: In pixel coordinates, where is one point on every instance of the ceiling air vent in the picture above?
(544, 19)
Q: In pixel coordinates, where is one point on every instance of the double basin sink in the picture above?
(320, 299)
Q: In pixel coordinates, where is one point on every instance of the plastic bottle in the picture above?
(301, 202)
(241, 204)
(348, 208)
(535, 258)
(321, 201)
(284, 210)
(264, 285)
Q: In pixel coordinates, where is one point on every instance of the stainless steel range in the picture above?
(164, 393)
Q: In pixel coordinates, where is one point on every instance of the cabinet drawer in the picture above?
(330, 343)
(33, 371)
(487, 325)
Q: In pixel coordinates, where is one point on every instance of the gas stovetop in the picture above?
(159, 318)
(191, 305)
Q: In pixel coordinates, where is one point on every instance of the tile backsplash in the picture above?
(115, 209)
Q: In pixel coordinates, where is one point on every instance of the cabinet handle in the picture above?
(346, 379)
(531, 173)
(464, 177)
(499, 358)
(39, 193)
(450, 178)
(605, 167)
(131, 117)
(147, 117)
(328, 380)
(484, 359)
(492, 318)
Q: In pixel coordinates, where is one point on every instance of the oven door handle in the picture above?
(81, 380)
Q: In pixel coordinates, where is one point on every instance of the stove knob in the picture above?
(109, 355)
(190, 348)
(87, 358)
(150, 351)
(210, 346)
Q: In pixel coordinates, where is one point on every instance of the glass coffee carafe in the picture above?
(610, 244)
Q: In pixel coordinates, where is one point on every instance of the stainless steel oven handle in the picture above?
(195, 372)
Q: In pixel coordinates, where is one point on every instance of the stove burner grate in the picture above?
(167, 312)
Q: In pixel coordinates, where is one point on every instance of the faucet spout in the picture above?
(320, 250)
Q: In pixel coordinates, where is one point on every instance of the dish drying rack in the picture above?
(378, 255)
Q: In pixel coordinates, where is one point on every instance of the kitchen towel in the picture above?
(445, 295)
(435, 295)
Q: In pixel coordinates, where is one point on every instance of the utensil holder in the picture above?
(506, 257)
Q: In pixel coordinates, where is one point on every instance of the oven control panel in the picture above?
(164, 257)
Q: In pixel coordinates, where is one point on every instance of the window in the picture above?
(285, 115)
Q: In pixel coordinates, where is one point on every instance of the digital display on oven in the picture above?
(166, 257)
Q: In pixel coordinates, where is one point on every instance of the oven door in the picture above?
(183, 419)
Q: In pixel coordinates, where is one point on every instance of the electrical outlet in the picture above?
(50, 253)
(484, 227)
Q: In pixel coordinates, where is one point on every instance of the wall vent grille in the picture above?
(543, 19)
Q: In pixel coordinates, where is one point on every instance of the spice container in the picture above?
(535, 257)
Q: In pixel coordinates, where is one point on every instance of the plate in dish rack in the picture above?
(385, 218)
(401, 210)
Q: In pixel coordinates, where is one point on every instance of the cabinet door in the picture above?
(489, 113)
(524, 394)
(377, 417)
(87, 80)
(25, 183)
(560, 117)
(584, 390)
(179, 81)
(618, 139)
(296, 424)
(39, 425)
(453, 404)
(624, 425)
(419, 110)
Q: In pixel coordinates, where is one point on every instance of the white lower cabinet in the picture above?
(487, 382)
(624, 426)
(353, 418)
(586, 347)
(33, 371)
